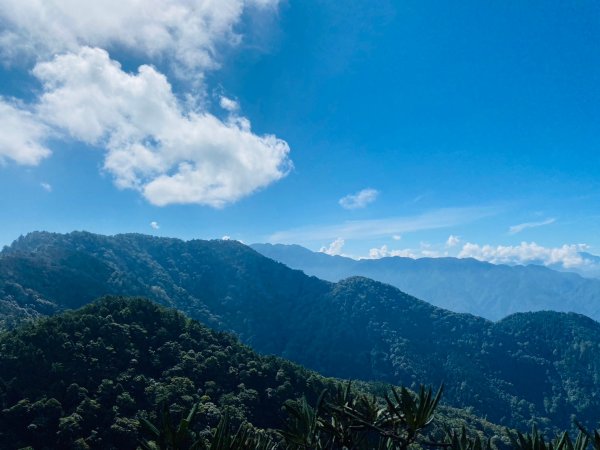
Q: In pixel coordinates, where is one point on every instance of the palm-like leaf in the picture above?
(461, 441)
(303, 425)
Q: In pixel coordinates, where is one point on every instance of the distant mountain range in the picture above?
(462, 285)
(593, 269)
(534, 366)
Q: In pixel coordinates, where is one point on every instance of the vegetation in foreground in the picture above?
(127, 373)
(90, 378)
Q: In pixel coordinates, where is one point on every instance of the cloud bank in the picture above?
(385, 252)
(566, 256)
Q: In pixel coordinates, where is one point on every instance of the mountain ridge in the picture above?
(84, 378)
(459, 284)
(358, 328)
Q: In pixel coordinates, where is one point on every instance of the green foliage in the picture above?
(245, 438)
(542, 367)
(342, 420)
(167, 436)
(414, 412)
(96, 377)
(346, 420)
(593, 438)
(120, 372)
(462, 441)
(535, 441)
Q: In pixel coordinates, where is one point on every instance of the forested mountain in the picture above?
(514, 371)
(82, 379)
(462, 285)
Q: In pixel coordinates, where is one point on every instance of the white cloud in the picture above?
(396, 237)
(153, 143)
(46, 186)
(229, 105)
(22, 135)
(375, 228)
(171, 151)
(452, 241)
(523, 226)
(567, 256)
(335, 248)
(359, 200)
(226, 238)
(384, 252)
(425, 250)
(188, 32)
(154, 225)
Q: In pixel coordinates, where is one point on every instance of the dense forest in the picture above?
(93, 377)
(530, 367)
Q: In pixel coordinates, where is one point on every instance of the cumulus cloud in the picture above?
(523, 226)
(359, 200)
(153, 143)
(335, 248)
(22, 135)
(452, 241)
(154, 225)
(169, 150)
(189, 32)
(566, 256)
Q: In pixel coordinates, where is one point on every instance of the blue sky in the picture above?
(429, 120)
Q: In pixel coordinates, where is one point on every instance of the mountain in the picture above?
(461, 285)
(512, 372)
(592, 266)
(82, 379)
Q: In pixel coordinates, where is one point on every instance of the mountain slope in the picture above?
(462, 285)
(357, 328)
(82, 379)
(221, 283)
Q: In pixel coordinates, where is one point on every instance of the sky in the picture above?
(365, 128)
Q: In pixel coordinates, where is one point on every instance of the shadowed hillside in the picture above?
(83, 379)
(509, 371)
